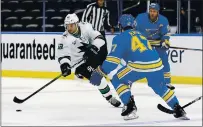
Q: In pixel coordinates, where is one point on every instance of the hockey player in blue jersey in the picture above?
(155, 28)
(143, 61)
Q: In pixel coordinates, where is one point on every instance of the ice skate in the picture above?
(129, 111)
(113, 101)
(180, 113)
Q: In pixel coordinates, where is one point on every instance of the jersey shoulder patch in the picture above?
(60, 46)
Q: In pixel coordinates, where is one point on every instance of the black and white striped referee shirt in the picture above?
(97, 16)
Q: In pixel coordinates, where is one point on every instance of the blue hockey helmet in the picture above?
(127, 20)
(154, 6)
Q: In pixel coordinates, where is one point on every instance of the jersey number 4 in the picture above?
(136, 44)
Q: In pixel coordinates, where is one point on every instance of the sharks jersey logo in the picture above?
(83, 48)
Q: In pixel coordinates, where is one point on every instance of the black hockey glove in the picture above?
(91, 52)
(65, 69)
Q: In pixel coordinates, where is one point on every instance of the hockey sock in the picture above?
(167, 77)
(170, 98)
(124, 93)
(105, 89)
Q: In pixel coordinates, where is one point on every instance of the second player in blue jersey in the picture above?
(155, 28)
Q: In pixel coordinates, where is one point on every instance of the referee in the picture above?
(99, 16)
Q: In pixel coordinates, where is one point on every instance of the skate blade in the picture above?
(184, 118)
(131, 116)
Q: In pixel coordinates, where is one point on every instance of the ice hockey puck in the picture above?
(18, 110)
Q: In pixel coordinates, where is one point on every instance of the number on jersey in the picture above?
(113, 47)
(136, 44)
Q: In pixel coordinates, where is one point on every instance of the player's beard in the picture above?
(153, 18)
(77, 31)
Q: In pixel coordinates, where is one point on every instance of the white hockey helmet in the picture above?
(70, 19)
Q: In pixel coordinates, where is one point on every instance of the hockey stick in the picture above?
(176, 47)
(185, 48)
(166, 110)
(19, 101)
(138, 3)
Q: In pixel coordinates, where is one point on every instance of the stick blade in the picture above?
(164, 109)
(17, 100)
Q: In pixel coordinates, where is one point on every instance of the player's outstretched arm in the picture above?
(111, 62)
(165, 32)
(64, 57)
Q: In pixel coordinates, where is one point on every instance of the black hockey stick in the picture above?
(177, 47)
(19, 101)
(138, 3)
(166, 110)
(185, 48)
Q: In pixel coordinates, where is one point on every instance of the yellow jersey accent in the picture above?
(167, 42)
(101, 72)
(121, 89)
(154, 42)
(123, 72)
(146, 66)
(168, 95)
(168, 74)
(112, 59)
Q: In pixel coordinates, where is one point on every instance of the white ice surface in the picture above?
(66, 102)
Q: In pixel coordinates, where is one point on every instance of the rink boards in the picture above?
(35, 55)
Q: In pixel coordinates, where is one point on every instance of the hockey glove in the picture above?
(96, 76)
(165, 44)
(65, 69)
(92, 51)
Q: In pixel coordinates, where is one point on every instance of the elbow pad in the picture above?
(98, 43)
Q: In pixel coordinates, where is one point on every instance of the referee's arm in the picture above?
(107, 23)
(86, 14)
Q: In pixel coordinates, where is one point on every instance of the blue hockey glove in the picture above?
(165, 44)
(96, 76)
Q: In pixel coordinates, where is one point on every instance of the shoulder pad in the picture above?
(64, 34)
(162, 17)
(66, 38)
(116, 37)
(70, 38)
(91, 4)
(83, 23)
(86, 25)
(142, 14)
